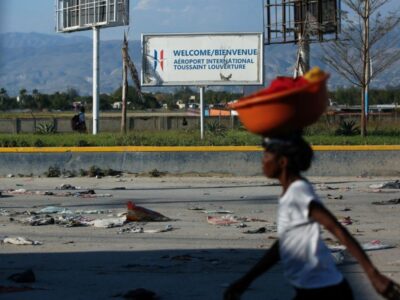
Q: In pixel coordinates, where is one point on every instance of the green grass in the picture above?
(188, 138)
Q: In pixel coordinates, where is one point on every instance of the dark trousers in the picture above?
(341, 291)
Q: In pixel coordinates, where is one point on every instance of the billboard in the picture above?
(202, 59)
(76, 15)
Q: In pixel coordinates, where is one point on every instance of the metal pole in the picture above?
(304, 45)
(368, 62)
(96, 38)
(202, 112)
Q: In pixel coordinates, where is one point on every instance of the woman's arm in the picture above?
(323, 216)
(270, 258)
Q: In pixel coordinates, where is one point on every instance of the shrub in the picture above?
(53, 172)
(111, 172)
(95, 171)
(83, 143)
(347, 128)
(46, 128)
(38, 143)
(216, 128)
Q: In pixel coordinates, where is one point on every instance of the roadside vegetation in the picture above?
(44, 107)
(321, 133)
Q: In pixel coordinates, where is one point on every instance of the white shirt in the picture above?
(307, 261)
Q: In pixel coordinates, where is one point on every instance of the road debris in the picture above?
(66, 186)
(259, 230)
(140, 214)
(369, 246)
(222, 220)
(140, 229)
(387, 202)
(38, 220)
(108, 223)
(218, 211)
(386, 185)
(54, 210)
(339, 197)
(73, 221)
(20, 240)
(346, 221)
(324, 187)
(376, 245)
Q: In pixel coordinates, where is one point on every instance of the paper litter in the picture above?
(19, 240)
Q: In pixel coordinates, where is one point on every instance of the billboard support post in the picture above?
(77, 15)
(202, 88)
(96, 38)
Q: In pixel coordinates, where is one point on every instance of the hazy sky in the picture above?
(146, 16)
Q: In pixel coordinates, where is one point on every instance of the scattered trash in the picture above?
(66, 186)
(54, 210)
(222, 220)
(346, 221)
(219, 211)
(94, 212)
(386, 185)
(338, 257)
(73, 221)
(196, 208)
(5, 213)
(17, 192)
(247, 219)
(108, 223)
(387, 202)
(83, 194)
(39, 220)
(370, 246)
(329, 196)
(140, 229)
(324, 187)
(24, 277)
(86, 192)
(241, 225)
(378, 229)
(375, 245)
(259, 230)
(139, 214)
(19, 240)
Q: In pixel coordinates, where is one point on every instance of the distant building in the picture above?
(180, 104)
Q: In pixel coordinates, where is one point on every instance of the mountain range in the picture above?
(51, 63)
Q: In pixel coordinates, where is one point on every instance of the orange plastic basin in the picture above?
(285, 111)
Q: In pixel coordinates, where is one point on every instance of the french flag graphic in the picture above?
(159, 59)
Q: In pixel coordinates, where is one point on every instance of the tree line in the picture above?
(64, 100)
(351, 96)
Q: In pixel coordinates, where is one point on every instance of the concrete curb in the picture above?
(379, 160)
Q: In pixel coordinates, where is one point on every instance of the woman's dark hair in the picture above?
(294, 147)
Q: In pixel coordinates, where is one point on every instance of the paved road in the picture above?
(194, 261)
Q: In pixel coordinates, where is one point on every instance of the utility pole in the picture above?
(366, 71)
(124, 84)
(96, 74)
